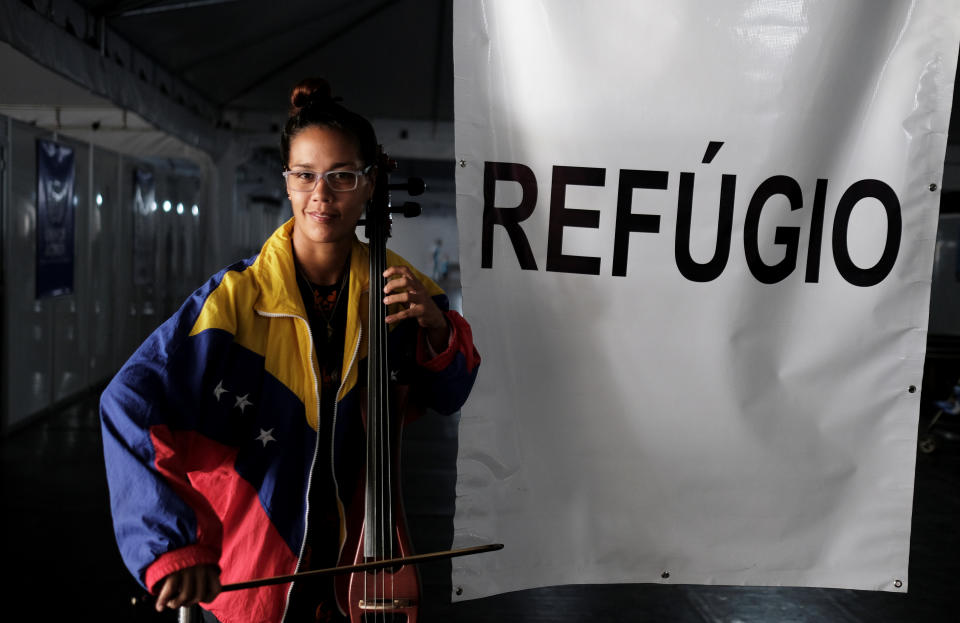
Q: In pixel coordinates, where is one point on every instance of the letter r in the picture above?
(509, 218)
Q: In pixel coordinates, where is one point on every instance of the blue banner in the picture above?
(56, 206)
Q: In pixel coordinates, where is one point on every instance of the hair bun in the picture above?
(310, 92)
(312, 105)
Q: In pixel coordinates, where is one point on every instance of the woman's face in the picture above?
(326, 216)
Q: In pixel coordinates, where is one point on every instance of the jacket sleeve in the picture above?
(450, 374)
(444, 380)
(162, 524)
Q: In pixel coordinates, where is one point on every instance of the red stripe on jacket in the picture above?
(229, 518)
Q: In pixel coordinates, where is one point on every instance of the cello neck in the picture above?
(378, 507)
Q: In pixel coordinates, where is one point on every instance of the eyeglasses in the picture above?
(340, 181)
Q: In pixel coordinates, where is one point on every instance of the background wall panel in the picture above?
(54, 348)
(68, 341)
(126, 324)
(28, 322)
(102, 277)
(144, 294)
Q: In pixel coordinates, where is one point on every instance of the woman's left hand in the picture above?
(403, 288)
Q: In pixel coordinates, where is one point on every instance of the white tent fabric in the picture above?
(646, 414)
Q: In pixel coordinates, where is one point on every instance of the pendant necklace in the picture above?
(328, 320)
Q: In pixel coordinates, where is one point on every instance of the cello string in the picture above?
(388, 444)
(373, 530)
(379, 414)
(388, 429)
(385, 432)
(383, 418)
(382, 415)
(375, 410)
(371, 425)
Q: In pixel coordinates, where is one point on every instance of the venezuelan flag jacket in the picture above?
(210, 429)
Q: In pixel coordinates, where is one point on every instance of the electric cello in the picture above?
(390, 593)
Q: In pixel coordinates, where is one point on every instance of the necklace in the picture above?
(328, 320)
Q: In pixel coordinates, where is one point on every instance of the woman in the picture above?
(233, 436)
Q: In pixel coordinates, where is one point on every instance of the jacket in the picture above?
(210, 428)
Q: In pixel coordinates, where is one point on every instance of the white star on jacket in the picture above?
(266, 436)
(243, 403)
(219, 390)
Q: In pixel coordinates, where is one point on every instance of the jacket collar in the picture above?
(277, 274)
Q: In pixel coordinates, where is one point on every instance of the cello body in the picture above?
(383, 594)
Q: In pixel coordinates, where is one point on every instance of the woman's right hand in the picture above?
(189, 586)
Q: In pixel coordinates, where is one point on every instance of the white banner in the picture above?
(696, 245)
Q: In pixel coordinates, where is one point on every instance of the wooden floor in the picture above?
(58, 544)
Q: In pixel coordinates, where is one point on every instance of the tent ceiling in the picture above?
(387, 58)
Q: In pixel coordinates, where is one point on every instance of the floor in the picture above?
(58, 545)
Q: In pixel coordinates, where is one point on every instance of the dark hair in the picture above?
(312, 104)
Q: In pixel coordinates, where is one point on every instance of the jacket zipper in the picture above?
(316, 448)
(333, 428)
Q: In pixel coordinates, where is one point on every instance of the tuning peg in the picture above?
(413, 186)
(409, 209)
